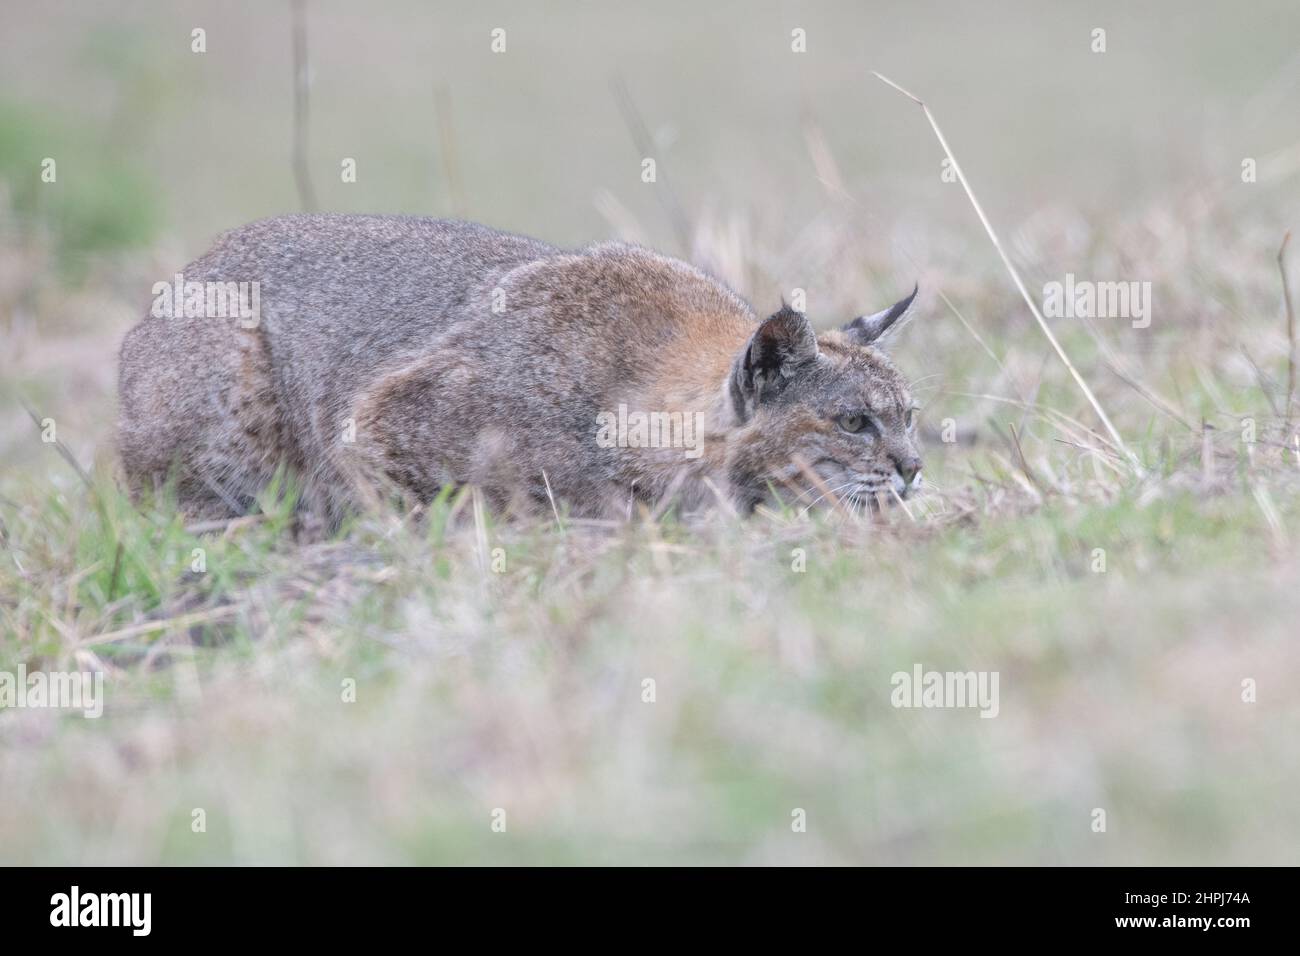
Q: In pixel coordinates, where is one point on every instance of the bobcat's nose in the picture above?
(908, 469)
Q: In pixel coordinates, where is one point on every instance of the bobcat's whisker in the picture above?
(828, 493)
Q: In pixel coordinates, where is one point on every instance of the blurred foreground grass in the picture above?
(513, 679)
(523, 689)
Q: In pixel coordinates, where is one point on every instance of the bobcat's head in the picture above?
(834, 406)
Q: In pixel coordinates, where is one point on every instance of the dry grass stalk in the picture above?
(150, 627)
(1290, 324)
(1015, 276)
(450, 154)
(827, 493)
(645, 145)
(301, 108)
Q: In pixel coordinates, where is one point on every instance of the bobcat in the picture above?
(399, 354)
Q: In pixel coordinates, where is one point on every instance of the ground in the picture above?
(448, 687)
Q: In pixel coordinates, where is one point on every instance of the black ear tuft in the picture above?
(866, 329)
(783, 343)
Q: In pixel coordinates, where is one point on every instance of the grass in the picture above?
(375, 695)
(522, 689)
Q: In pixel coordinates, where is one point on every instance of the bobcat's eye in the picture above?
(853, 423)
(907, 419)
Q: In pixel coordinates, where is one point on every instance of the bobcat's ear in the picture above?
(774, 353)
(866, 329)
